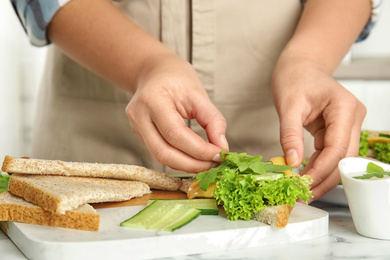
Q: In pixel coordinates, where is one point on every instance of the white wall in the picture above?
(20, 69)
(378, 43)
(375, 95)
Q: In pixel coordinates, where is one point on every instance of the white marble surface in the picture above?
(208, 233)
(342, 242)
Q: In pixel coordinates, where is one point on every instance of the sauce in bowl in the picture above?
(368, 199)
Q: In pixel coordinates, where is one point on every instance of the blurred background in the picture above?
(365, 72)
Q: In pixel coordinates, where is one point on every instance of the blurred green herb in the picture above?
(364, 145)
(373, 170)
(382, 152)
(384, 135)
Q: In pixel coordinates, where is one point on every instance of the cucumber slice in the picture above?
(267, 176)
(162, 216)
(206, 206)
(384, 135)
(182, 175)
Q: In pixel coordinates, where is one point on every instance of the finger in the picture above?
(180, 136)
(131, 115)
(166, 154)
(336, 145)
(317, 130)
(320, 164)
(319, 137)
(135, 130)
(334, 178)
(326, 162)
(210, 119)
(174, 130)
(326, 185)
(310, 164)
(169, 155)
(320, 186)
(291, 138)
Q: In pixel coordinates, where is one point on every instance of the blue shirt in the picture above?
(35, 16)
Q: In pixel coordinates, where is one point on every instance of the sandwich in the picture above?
(14, 208)
(61, 201)
(249, 188)
(155, 179)
(375, 144)
(57, 193)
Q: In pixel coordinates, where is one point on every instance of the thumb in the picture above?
(291, 139)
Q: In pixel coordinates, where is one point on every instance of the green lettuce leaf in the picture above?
(241, 195)
(382, 152)
(4, 179)
(241, 163)
(246, 185)
(364, 146)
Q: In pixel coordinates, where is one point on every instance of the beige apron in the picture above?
(233, 46)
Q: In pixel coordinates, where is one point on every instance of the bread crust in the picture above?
(276, 216)
(59, 194)
(155, 179)
(13, 208)
(185, 184)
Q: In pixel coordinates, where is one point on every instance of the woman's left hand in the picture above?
(306, 97)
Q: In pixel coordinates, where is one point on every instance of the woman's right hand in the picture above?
(166, 88)
(168, 92)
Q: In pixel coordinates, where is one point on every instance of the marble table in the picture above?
(342, 242)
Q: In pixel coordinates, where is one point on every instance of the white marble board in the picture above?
(204, 234)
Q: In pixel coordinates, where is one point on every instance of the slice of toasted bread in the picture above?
(59, 194)
(14, 208)
(185, 184)
(276, 216)
(155, 179)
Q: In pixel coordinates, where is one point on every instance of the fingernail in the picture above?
(224, 142)
(292, 157)
(217, 158)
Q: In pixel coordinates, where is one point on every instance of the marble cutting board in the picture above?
(204, 234)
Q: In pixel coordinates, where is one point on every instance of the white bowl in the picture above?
(368, 200)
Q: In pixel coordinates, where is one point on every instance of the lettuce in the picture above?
(4, 179)
(241, 195)
(239, 162)
(246, 185)
(382, 152)
(364, 146)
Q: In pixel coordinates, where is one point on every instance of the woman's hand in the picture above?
(169, 92)
(306, 97)
(166, 88)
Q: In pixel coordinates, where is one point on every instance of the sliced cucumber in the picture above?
(267, 176)
(206, 206)
(182, 175)
(384, 135)
(162, 216)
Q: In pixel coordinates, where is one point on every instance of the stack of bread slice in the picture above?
(57, 193)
